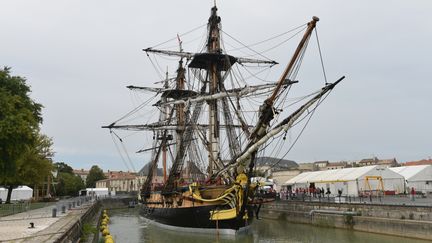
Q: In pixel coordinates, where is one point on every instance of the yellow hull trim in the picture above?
(223, 214)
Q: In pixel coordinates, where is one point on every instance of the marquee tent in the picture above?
(352, 181)
(19, 193)
(418, 176)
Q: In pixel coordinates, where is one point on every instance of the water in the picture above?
(127, 226)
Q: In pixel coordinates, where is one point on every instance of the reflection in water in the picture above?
(127, 226)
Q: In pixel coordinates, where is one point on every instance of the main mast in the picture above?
(213, 46)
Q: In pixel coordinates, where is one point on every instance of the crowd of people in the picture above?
(307, 191)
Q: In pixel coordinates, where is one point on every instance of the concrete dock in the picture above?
(16, 228)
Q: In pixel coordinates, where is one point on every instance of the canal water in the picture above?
(126, 225)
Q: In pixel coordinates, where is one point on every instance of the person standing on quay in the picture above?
(412, 194)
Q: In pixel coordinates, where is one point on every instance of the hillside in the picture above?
(284, 164)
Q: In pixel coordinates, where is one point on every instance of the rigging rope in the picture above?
(158, 71)
(259, 54)
(175, 38)
(309, 115)
(125, 151)
(271, 38)
(118, 149)
(320, 54)
(276, 46)
(129, 159)
(135, 109)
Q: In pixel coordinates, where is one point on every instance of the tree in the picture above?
(95, 174)
(20, 118)
(68, 184)
(63, 167)
(35, 165)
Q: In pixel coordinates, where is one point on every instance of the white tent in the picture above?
(19, 193)
(418, 176)
(351, 181)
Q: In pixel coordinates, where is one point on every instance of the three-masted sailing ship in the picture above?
(201, 115)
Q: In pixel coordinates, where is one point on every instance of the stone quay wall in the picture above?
(405, 221)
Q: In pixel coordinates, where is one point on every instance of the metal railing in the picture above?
(19, 207)
(405, 200)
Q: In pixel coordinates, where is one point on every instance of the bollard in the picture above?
(54, 212)
(63, 208)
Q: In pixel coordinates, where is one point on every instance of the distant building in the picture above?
(320, 165)
(109, 174)
(387, 163)
(118, 174)
(125, 184)
(81, 173)
(337, 165)
(383, 163)
(368, 161)
(419, 162)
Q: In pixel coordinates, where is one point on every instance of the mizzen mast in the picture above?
(180, 108)
(165, 111)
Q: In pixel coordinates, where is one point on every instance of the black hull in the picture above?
(193, 218)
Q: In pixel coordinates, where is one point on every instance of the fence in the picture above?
(19, 207)
(418, 200)
(59, 206)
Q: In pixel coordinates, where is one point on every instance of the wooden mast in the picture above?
(179, 108)
(267, 112)
(213, 46)
(311, 26)
(164, 146)
(267, 109)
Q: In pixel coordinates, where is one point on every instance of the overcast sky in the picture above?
(78, 56)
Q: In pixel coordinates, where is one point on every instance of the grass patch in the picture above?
(87, 230)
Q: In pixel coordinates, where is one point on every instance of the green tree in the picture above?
(63, 167)
(95, 174)
(20, 118)
(35, 166)
(68, 184)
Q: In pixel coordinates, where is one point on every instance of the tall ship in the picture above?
(210, 127)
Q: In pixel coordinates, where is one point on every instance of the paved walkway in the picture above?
(15, 228)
